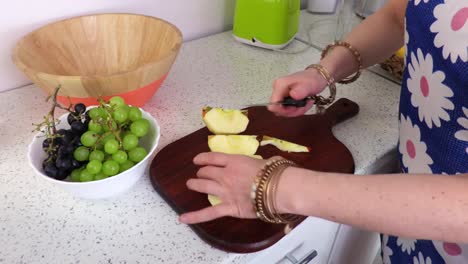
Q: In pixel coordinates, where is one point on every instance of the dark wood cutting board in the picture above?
(172, 167)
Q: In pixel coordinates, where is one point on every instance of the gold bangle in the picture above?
(263, 192)
(319, 100)
(281, 218)
(356, 55)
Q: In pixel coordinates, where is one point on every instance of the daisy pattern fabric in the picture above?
(433, 112)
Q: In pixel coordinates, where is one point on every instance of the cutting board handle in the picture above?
(341, 110)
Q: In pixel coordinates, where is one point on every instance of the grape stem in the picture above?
(52, 110)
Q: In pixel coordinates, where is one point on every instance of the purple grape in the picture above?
(75, 164)
(46, 143)
(78, 127)
(66, 149)
(76, 142)
(62, 174)
(51, 170)
(63, 162)
(72, 117)
(80, 108)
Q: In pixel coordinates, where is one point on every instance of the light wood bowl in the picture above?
(100, 56)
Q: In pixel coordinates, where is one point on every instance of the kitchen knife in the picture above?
(288, 101)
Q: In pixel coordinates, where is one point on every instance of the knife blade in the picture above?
(287, 101)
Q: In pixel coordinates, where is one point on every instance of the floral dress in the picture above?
(433, 113)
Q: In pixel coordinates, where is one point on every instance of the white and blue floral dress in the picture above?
(433, 113)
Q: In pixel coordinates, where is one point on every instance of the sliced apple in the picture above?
(233, 144)
(214, 200)
(283, 144)
(225, 121)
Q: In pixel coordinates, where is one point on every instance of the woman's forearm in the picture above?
(419, 206)
(376, 38)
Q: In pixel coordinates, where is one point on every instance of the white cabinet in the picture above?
(312, 234)
(355, 246)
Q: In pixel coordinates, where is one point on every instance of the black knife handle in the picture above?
(289, 101)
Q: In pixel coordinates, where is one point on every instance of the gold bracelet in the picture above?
(319, 100)
(283, 218)
(264, 190)
(356, 55)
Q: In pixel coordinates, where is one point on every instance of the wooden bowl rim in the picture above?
(21, 65)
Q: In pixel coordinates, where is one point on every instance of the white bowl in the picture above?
(99, 189)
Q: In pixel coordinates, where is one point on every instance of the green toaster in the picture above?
(270, 24)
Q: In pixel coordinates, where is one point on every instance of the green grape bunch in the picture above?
(101, 142)
(111, 143)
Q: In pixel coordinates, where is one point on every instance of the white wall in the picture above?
(195, 18)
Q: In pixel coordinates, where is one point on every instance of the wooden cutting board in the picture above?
(172, 167)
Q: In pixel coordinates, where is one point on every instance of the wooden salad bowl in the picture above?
(100, 55)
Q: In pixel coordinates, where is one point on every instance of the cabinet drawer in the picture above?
(312, 234)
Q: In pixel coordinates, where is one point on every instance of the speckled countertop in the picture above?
(40, 223)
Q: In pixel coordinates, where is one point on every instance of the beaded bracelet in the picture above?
(356, 55)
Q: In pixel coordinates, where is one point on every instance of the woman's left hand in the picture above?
(228, 177)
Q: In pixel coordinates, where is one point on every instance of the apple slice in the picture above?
(225, 121)
(283, 144)
(214, 200)
(233, 144)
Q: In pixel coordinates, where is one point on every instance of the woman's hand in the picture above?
(297, 85)
(229, 177)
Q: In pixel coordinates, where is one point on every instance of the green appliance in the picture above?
(270, 24)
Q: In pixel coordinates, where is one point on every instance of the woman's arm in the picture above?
(408, 205)
(376, 38)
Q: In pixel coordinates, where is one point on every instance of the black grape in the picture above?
(46, 143)
(75, 164)
(51, 170)
(63, 162)
(78, 127)
(62, 174)
(80, 108)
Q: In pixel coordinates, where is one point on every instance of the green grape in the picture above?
(137, 154)
(111, 146)
(94, 166)
(81, 153)
(86, 176)
(96, 155)
(110, 168)
(100, 176)
(75, 175)
(116, 101)
(95, 113)
(129, 141)
(126, 165)
(140, 127)
(89, 138)
(120, 156)
(120, 114)
(109, 125)
(107, 138)
(94, 126)
(134, 113)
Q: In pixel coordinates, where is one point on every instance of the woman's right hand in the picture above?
(297, 85)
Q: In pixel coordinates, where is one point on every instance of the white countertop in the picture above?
(40, 223)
